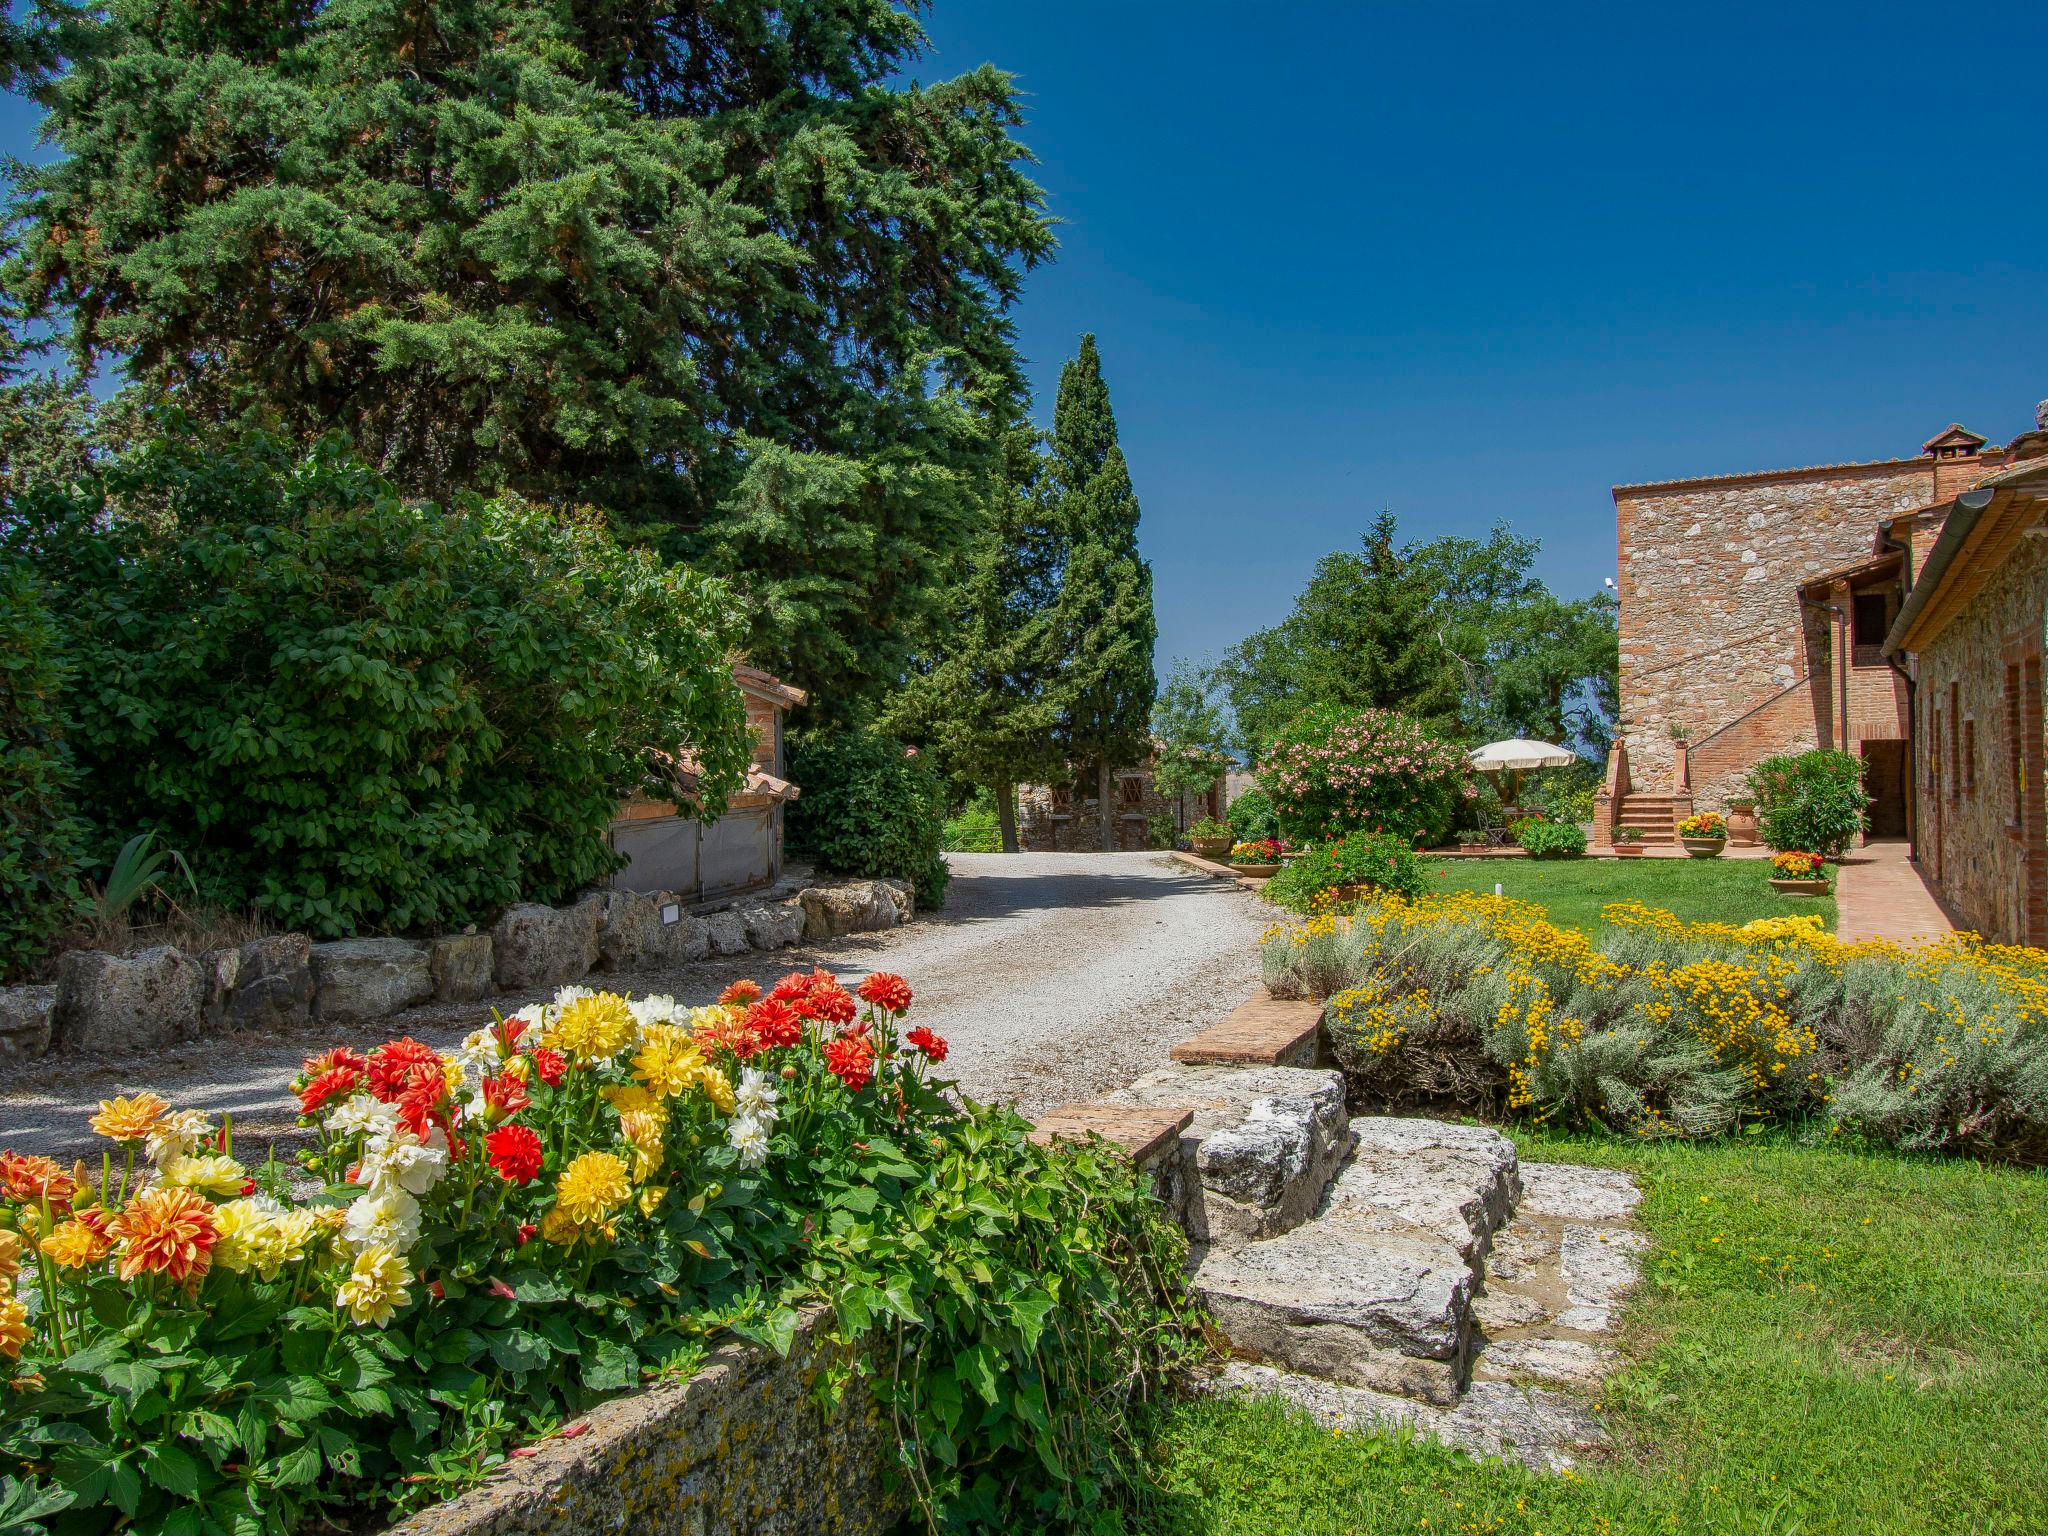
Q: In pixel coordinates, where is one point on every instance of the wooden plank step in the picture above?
(1141, 1130)
(1262, 1031)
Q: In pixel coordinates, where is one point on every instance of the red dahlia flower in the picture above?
(933, 1046)
(774, 1023)
(740, 992)
(514, 1151)
(392, 1064)
(26, 1178)
(886, 991)
(549, 1064)
(334, 1083)
(828, 1002)
(341, 1056)
(790, 988)
(504, 1097)
(850, 1059)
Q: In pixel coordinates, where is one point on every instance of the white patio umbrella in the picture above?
(1509, 760)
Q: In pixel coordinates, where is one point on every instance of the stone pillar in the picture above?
(1613, 790)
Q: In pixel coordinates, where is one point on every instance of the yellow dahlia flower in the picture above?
(210, 1173)
(11, 1250)
(73, 1245)
(593, 1028)
(591, 1188)
(667, 1060)
(375, 1287)
(717, 1088)
(13, 1327)
(129, 1119)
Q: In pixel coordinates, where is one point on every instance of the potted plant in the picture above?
(1704, 835)
(1628, 842)
(1472, 840)
(1258, 860)
(1799, 874)
(1742, 823)
(1210, 838)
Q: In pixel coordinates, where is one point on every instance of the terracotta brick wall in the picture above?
(1979, 702)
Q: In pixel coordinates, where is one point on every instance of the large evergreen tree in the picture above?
(982, 701)
(703, 263)
(1102, 622)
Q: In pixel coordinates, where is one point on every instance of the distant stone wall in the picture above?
(1057, 820)
(1971, 835)
(740, 1449)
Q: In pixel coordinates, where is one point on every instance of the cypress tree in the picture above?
(709, 267)
(1103, 626)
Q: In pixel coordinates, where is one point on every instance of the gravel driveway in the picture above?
(1053, 976)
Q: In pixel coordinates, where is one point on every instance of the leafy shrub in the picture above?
(1552, 839)
(632, 1178)
(870, 807)
(1335, 771)
(1161, 831)
(1810, 801)
(39, 836)
(976, 829)
(355, 713)
(1251, 816)
(1209, 829)
(1374, 862)
(1664, 1028)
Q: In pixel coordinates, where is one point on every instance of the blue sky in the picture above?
(1475, 262)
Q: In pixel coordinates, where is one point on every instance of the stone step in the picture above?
(1259, 1150)
(1262, 1031)
(1458, 1183)
(1541, 1429)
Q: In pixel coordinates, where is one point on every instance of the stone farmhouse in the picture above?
(1881, 608)
(1053, 818)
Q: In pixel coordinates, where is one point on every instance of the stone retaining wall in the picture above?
(741, 1449)
(160, 996)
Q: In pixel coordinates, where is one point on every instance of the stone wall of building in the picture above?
(1977, 724)
(1060, 820)
(1712, 627)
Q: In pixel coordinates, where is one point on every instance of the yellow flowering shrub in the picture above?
(1664, 1027)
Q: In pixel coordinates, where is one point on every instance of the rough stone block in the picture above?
(687, 939)
(631, 931)
(727, 932)
(126, 1002)
(25, 1021)
(264, 984)
(357, 980)
(535, 947)
(1458, 1183)
(1600, 1265)
(860, 906)
(1390, 1312)
(461, 967)
(1262, 1147)
(772, 925)
(1577, 1194)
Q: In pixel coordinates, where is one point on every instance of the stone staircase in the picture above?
(1651, 815)
(1382, 1271)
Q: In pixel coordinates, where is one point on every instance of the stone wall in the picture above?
(159, 996)
(1712, 626)
(740, 1449)
(1976, 725)
(1060, 820)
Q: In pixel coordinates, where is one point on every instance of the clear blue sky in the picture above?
(1484, 262)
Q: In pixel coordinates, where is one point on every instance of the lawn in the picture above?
(1828, 1340)
(1574, 890)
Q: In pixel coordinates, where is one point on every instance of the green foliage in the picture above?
(1189, 733)
(1251, 815)
(1552, 839)
(870, 807)
(1810, 802)
(1335, 770)
(1102, 622)
(1208, 827)
(975, 829)
(721, 271)
(39, 836)
(356, 712)
(1364, 860)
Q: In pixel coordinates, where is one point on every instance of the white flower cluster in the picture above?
(754, 1117)
(396, 1168)
(179, 1147)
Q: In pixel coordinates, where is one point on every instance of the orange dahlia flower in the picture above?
(741, 993)
(887, 991)
(168, 1232)
(129, 1119)
(75, 1244)
(26, 1179)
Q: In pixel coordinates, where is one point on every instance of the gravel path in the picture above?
(1054, 977)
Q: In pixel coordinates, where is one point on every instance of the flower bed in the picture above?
(482, 1242)
(1664, 1028)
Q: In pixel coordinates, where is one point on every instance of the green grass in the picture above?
(1574, 890)
(1827, 1340)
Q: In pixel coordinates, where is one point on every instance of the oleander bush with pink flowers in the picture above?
(1335, 770)
(479, 1243)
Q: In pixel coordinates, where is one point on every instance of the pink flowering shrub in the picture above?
(1335, 771)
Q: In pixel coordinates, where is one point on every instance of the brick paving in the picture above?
(1881, 894)
(1263, 1031)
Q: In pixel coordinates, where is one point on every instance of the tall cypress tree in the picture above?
(709, 267)
(982, 701)
(1102, 622)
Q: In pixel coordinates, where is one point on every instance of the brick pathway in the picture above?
(1880, 894)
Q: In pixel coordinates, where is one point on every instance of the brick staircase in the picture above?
(1651, 815)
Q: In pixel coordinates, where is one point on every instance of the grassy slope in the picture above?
(1827, 1341)
(1574, 890)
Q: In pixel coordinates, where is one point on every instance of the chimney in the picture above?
(1954, 451)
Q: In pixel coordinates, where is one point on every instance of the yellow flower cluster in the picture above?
(595, 1027)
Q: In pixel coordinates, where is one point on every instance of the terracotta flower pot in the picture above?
(1800, 887)
(1210, 847)
(1704, 847)
(1255, 871)
(1628, 850)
